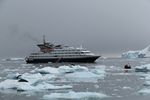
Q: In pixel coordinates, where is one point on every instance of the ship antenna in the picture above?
(44, 39)
(81, 46)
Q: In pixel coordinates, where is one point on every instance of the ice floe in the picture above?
(126, 87)
(75, 95)
(82, 77)
(13, 76)
(47, 70)
(99, 70)
(27, 86)
(13, 59)
(143, 68)
(27, 81)
(86, 75)
(61, 69)
(75, 73)
(40, 79)
(144, 91)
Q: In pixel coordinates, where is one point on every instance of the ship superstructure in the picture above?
(58, 53)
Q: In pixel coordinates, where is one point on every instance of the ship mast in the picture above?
(44, 39)
(45, 47)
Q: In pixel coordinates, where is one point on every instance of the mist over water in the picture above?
(106, 27)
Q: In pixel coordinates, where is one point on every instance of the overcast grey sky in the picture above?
(104, 26)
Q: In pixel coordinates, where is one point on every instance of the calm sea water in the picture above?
(117, 83)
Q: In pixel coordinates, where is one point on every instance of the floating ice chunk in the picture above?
(10, 70)
(32, 78)
(103, 67)
(144, 91)
(37, 78)
(9, 84)
(48, 77)
(143, 68)
(26, 65)
(75, 95)
(83, 77)
(47, 70)
(147, 83)
(24, 86)
(126, 87)
(61, 69)
(147, 76)
(47, 86)
(13, 76)
(66, 69)
(71, 69)
(83, 74)
(14, 59)
(27, 86)
(99, 70)
(80, 68)
(42, 86)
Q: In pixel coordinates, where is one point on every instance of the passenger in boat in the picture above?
(127, 66)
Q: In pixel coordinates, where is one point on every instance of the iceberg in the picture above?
(137, 54)
(133, 54)
(75, 95)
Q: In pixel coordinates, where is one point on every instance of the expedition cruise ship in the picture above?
(58, 53)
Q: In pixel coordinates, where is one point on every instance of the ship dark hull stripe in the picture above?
(55, 60)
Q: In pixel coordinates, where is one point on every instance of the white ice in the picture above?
(40, 79)
(75, 95)
(144, 91)
(143, 68)
(27, 86)
(137, 54)
(14, 59)
(62, 69)
(133, 54)
(47, 70)
(82, 77)
(86, 75)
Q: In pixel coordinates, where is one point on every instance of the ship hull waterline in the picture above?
(58, 60)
